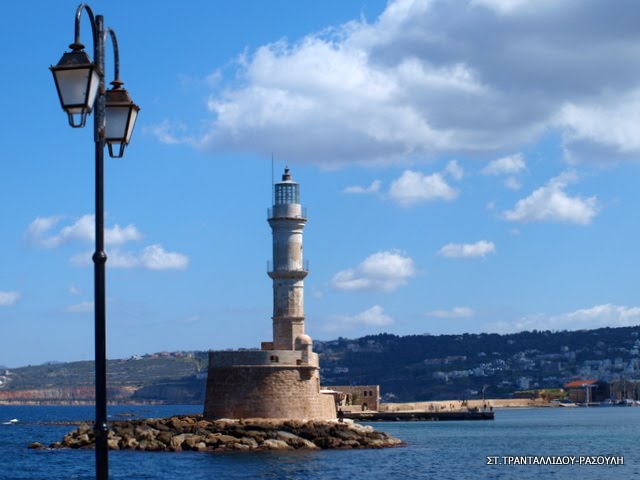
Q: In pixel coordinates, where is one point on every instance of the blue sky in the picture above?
(467, 166)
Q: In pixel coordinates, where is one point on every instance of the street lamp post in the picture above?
(81, 87)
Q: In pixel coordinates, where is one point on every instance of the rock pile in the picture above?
(192, 432)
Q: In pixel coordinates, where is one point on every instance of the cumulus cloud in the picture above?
(508, 165)
(39, 232)
(357, 189)
(606, 315)
(9, 298)
(434, 76)
(512, 183)
(83, 307)
(374, 316)
(170, 133)
(467, 250)
(456, 312)
(153, 257)
(597, 130)
(39, 227)
(551, 203)
(414, 187)
(383, 271)
(454, 169)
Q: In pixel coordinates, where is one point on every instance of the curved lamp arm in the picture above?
(117, 83)
(77, 44)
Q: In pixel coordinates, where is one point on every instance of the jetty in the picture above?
(419, 416)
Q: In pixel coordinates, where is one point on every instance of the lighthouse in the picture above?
(282, 378)
(287, 219)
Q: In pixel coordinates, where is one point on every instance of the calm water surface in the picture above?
(438, 450)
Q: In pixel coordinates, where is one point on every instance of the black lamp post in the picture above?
(81, 88)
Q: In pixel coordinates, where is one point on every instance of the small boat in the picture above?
(11, 422)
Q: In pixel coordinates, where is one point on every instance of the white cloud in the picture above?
(454, 169)
(83, 307)
(414, 187)
(357, 189)
(73, 290)
(123, 259)
(82, 230)
(153, 257)
(456, 312)
(505, 166)
(40, 226)
(9, 298)
(374, 316)
(171, 133)
(606, 315)
(551, 203)
(512, 183)
(467, 250)
(435, 76)
(506, 7)
(601, 126)
(383, 271)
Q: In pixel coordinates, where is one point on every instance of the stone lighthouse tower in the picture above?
(282, 379)
(287, 219)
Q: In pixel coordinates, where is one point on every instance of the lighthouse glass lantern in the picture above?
(287, 191)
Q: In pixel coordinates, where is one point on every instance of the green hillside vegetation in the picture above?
(140, 372)
(409, 368)
(429, 367)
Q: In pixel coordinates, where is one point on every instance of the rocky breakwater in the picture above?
(192, 432)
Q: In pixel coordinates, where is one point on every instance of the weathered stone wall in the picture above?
(223, 359)
(327, 406)
(274, 391)
(366, 397)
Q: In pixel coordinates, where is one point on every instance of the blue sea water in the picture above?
(438, 450)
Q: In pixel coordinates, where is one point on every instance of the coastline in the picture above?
(439, 405)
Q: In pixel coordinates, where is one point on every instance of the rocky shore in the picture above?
(192, 432)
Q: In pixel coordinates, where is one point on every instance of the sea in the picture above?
(550, 443)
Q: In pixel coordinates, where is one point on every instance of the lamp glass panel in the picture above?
(93, 88)
(116, 123)
(73, 85)
(132, 121)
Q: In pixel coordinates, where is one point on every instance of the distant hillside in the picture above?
(176, 376)
(409, 368)
(428, 367)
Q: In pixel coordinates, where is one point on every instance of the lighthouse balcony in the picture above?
(287, 211)
(288, 270)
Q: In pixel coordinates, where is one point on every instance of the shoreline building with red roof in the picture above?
(587, 391)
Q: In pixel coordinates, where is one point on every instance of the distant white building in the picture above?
(524, 383)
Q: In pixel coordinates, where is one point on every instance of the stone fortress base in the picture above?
(266, 384)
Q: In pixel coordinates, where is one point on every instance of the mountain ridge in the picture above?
(408, 368)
